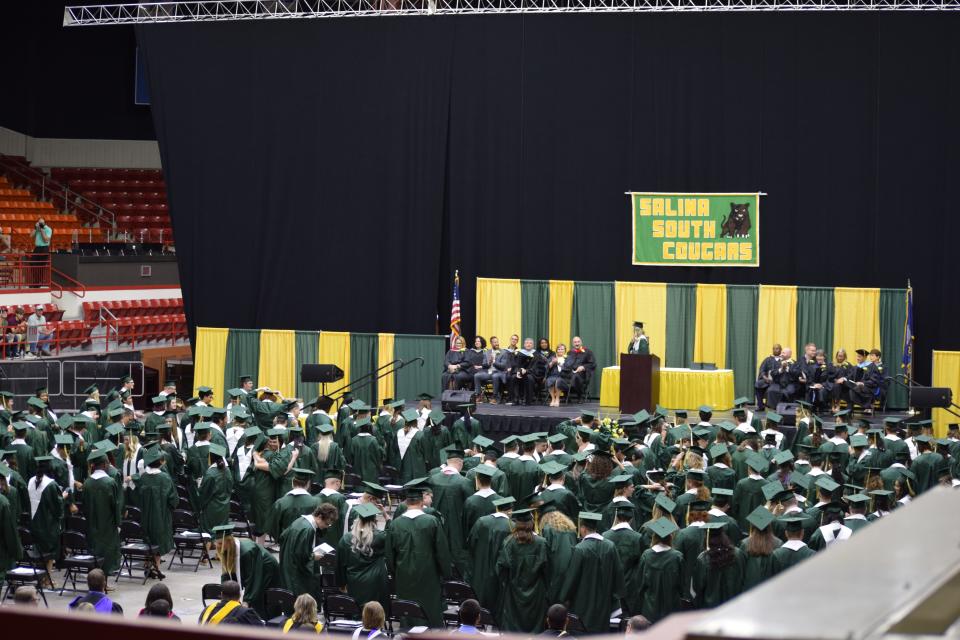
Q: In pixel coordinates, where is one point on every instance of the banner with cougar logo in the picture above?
(696, 229)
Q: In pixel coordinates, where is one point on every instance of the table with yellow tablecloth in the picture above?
(679, 388)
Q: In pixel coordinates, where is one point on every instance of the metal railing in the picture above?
(48, 189)
(24, 272)
(71, 285)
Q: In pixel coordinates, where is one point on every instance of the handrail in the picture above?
(25, 272)
(76, 284)
(72, 198)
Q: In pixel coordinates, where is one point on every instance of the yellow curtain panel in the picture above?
(646, 302)
(208, 361)
(385, 386)
(335, 349)
(710, 344)
(278, 361)
(946, 373)
(561, 312)
(776, 319)
(856, 320)
(498, 308)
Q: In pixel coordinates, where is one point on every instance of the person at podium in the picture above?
(640, 344)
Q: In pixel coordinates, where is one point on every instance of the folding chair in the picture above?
(32, 570)
(279, 605)
(77, 560)
(400, 609)
(454, 593)
(188, 540)
(340, 606)
(210, 591)
(134, 547)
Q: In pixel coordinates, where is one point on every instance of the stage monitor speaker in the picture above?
(320, 373)
(930, 397)
(789, 412)
(452, 398)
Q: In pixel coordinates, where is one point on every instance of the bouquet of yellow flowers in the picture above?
(610, 427)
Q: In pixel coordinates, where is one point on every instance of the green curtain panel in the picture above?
(534, 310)
(593, 321)
(742, 336)
(243, 356)
(307, 344)
(815, 313)
(363, 361)
(415, 379)
(681, 324)
(893, 316)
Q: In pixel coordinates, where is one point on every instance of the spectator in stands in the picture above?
(556, 621)
(637, 625)
(17, 332)
(97, 595)
(159, 603)
(42, 234)
(469, 617)
(38, 335)
(373, 618)
(26, 597)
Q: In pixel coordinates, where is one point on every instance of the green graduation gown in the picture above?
(561, 545)
(46, 517)
(595, 494)
(332, 534)
(432, 443)
(334, 460)
(721, 477)
(785, 557)
(259, 571)
(594, 581)
(716, 586)
(102, 507)
(463, 433)
(23, 452)
(265, 489)
(419, 559)
(297, 502)
(524, 571)
(314, 420)
(660, 582)
(483, 544)
(10, 548)
(413, 464)
(564, 499)
(157, 497)
(629, 549)
(367, 456)
(215, 490)
(299, 572)
(450, 492)
(747, 496)
(756, 569)
(364, 576)
(689, 542)
(477, 506)
(498, 483)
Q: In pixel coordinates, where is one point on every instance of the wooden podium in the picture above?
(639, 382)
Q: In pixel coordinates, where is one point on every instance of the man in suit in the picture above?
(764, 376)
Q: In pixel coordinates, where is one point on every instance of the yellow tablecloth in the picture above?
(679, 388)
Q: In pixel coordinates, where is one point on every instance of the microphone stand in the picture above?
(354, 384)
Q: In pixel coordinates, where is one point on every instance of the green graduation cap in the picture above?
(222, 530)
(115, 429)
(410, 415)
(159, 399)
(377, 490)
(757, 462)
(700, 505)
(552, 468)
(396, 404)
(93, 456)
(697, 474)
(664, 502)
(557, 438)
(466, 405)
(587, 415)
(522, 515)
(93, 388)
(485, 470)
(720, 491)
(760, 518)
(204, 390)
(709, 526)
(859, 440)
(921, 438)
(794, 523)
(774, 417)
(416, 487)
(201, 426)
(483, 443)
(705, 408)
(801, 480)
(326, 428)
(217, 450)
(355, 405)
(303, 474)
(881, 493)
(366, 511)
(116, 412)
(741, 401)
(240, 413)
(65, 421)
(453, 451)
(195, 411)
(63, 440)
(509, 440)
(841, 412)
(771, 489)
(152, 455)
(236, 393)
(641, 416)
(590, 516)
(783, 457)
(702, 433)
(502, 503)
(620, 480)
(528, 438)
(363, 422)
(251, 432)
(437, 416)
(857, 498)
(728, 426)
(827, 483)
(424, 396)
(585, 430)
(662, 527)
(276, 433)
(580, 456)
(36, 402)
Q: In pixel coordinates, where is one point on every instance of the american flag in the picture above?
(455, 310)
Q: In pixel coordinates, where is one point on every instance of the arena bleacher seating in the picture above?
(19, 211)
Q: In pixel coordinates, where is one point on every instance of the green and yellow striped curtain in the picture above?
(645, 302)
(711, 331)
(208, 363)
(334, 348)
(776, 319)
(946, 373)
(278, 361)
(499, 307)
(560, 312)
(385, 355)
(856, 323)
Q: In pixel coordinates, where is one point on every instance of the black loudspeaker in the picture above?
(789, 412)
(452, 398)
(930, 397)
(320, 373)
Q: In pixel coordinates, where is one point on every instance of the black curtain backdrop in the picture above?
(357, 163)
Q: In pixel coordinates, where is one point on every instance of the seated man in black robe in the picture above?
(784, 381)
(522, 378)
(764, 377)
(583, 364)
(229, 609)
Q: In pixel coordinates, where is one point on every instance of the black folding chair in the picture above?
(188, 541)
(31, 570)
(210, 591)
(454, 593)
(77, 560)
(486, 619)
(575, 624)
(134, 547)
(134, 514)
(279, 606)
(182, 491)
(400, 609)
(238, 518)
(75, 523)
(184, 503)
(340, 606)
(328, 573)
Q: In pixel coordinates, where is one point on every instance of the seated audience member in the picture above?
(97, 595)
(487, 371)
(504, 367)
(469, 617)
(583, 365)
(522, 381)
(159, 603)
(636, 625)
(373, 618)
(229, 609)
(559, 373)
(556, 622)
(765, 375)
(456, 368)
(304, 616)
(26, 597)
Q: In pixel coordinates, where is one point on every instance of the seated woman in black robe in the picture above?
(558, 375)
(455, 366)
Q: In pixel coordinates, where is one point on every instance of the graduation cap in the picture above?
(93, 456)
(664, 502)
(303, 474)
(699, 505)
(21, 426)
(65, 421)
(236, 393)
(859, 440)
(774, 417)
(801, 480)
(587, 415)
(841, 413)
(424, 396)
(152, 455)
(924, 438)
(624, 508)
(379, 491)
(522, 515)
(410, 415)
(486, 470)
(217, 450)
(705, 408)
(502, 504)
(585, 430)
(557, 438)
(251, 432)
(466, 406)
(862, 352)
(772, 489)
(89, 390)
(245, 378)
(453, 451)
(880, 493)
(325, 428)
(702, 433)
(125, 379)
(637, 324)
(741, 401)
(115, 429)
(827, 483)
(240, 413)
(290, 404)
(528, 438)
(641, 416)
(721, 495)
(204, 390)
(590, 519)
(619, 480)
(222, 530)
(697, 474)
(793, 523)
(363, 422)
(857, 498)
(483, 442)
(416, 487)
(396, 404)
(437, 416)
(680, 413)
(783, 457)
(202, 426)
(333, 473)
(804, 404)
(580, 457)
(274, 433)
(553, 468)
(663, 528)
(159, 399)
(760, 518)
(757, 462)
(37, 403)
(728, 426)
(366, 511)
(63, 440)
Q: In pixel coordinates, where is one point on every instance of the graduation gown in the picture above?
(483, 543)
(629, 545)
(450, 493)
(10, 548)
(594, 493)
(925, 467)
(523, 476)
(430, 445)
(157, 497)
(594, 582)
(689, 542)
(259, 571)
(46, 516)
(660, 572)
(756, 569)
(477, 506)
(214, 496)
(561, 545)
(332, 534)
(364, 577)
(419, 559)
(102, 506)
(747, 496)
(334, 460)
(716, 586)
(295, 503)
(721, 477)
(299, 572)
(23, 452)
(785, 557)
(265, 489)
(524, 571)
(564, 499)
(413, 464)
(367, 456)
